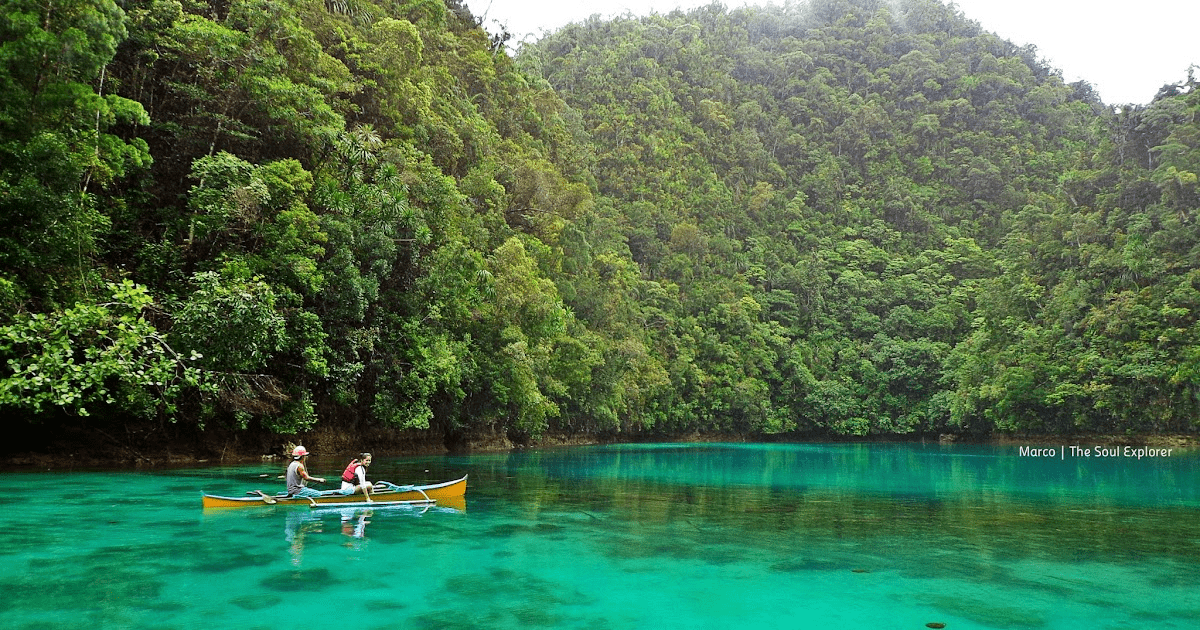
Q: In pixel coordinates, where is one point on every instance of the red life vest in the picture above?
(348, 475)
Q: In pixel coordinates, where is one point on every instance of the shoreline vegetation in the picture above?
(336, 445)
(372, 223)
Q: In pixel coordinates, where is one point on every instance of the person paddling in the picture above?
(354, 478)
(298, 477)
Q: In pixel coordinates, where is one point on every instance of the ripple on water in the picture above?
(231, 560)
(986, 613)
(507, 530)
(256, 602)
(1192, 615)
(497, 598)
(799, 565)
(679, 548)
(318, 579)
(515, 616)
(385, 604)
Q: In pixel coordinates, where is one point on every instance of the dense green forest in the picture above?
(841, 217)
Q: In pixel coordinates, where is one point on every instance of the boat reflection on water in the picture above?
(457, 504)
(354, 522)
(297, 526)
(300, 523)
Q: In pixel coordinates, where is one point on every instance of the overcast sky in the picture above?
(1126, 50)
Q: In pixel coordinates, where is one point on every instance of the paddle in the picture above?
(266, 498)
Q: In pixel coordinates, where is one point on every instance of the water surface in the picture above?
(645, 536)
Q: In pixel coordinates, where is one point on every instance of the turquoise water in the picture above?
(647, 536)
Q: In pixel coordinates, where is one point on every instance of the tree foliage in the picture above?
(838, 217)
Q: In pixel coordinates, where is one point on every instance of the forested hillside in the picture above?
(269, 214)
(839, 217)
(868, 218)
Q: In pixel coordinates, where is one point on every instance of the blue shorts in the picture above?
(307, 492)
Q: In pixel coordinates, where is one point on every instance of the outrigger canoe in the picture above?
(449, 493)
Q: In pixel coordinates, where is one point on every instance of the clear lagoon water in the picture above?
(873, 536)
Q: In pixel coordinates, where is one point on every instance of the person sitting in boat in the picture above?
(354, 478)
(298, 477)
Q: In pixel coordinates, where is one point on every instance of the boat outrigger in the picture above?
(450, 493)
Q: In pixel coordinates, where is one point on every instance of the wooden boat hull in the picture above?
(449, 493)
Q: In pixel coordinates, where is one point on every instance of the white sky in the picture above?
(1126, 50)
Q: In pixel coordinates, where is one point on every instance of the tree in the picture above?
(105, 354)
(55, 147)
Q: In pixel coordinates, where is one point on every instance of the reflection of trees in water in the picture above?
(903, 503)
